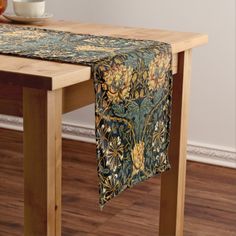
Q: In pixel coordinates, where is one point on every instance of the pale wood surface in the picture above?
(210, 196)
(180, 41)
(78, 95)
(42, 162)
(53, 75)
(173, 182)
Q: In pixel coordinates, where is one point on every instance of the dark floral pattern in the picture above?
(133, 85)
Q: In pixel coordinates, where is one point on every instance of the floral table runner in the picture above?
(133, 87)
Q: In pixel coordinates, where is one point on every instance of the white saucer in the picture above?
(23, 19)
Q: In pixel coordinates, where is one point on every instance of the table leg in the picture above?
(173, 181)
(42, 111)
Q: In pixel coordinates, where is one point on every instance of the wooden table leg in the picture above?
(42, 112)
(173, 181)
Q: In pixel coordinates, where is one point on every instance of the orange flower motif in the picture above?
(118, 80)
(138, 157)
(157, 72)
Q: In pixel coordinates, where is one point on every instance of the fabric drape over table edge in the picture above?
(133, 86)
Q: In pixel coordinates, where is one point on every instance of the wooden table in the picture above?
(42, 91)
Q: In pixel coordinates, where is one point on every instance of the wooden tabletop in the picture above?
(53, 75)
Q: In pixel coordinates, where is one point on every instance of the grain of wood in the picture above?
(42, 162)
(77, 96)
(210, 196)
(173, 182)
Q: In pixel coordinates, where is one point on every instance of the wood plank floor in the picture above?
(210, 198)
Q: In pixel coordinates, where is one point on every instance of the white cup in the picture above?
(29, 8)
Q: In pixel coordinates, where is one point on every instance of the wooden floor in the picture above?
(210, 199)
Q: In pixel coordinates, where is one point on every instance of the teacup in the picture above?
(29, 8)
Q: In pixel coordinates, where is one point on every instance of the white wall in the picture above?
(212, 102)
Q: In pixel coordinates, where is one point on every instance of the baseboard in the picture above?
(209, 154)
(204, 153)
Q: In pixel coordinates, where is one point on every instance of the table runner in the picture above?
(133, 87)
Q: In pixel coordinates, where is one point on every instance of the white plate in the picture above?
(22, 19)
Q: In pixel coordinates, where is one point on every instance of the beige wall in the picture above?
(212, 104)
